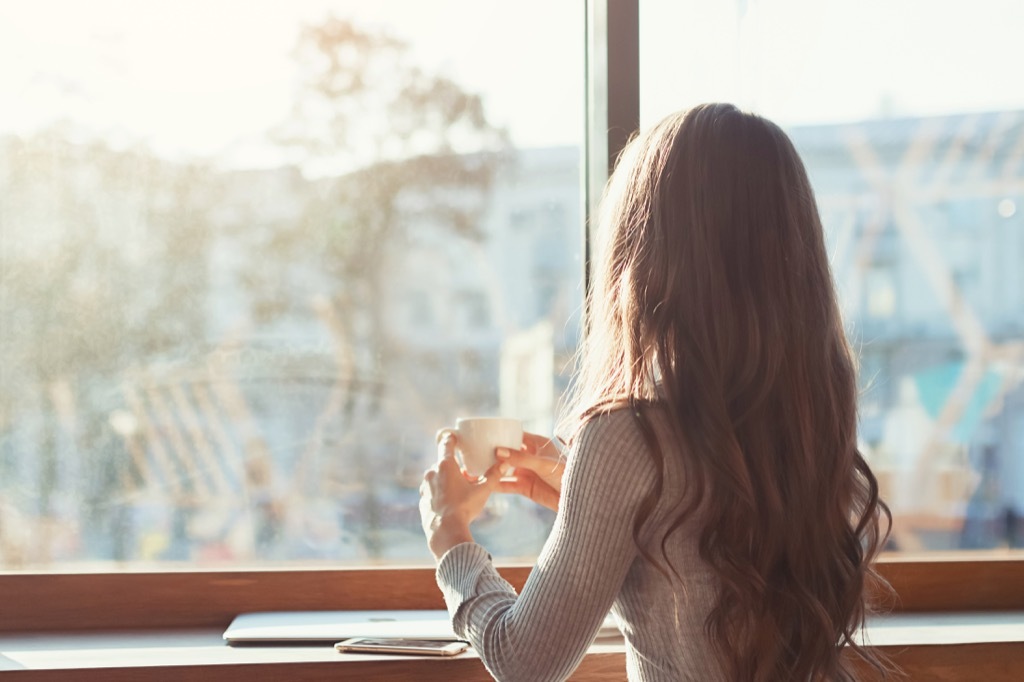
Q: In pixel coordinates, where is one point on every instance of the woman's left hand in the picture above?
(450, 500)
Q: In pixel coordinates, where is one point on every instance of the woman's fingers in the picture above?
(445, 445)
(446, 452)
(518, 485)
(529, 485)
(542, 445)
(492, 477)
(518, 459)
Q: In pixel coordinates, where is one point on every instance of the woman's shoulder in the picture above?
(605, 417)
(622, 429)
(619, 414)
(614, 426)
(610, 457)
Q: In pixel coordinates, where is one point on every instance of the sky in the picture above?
(811, 61)
(211, 77)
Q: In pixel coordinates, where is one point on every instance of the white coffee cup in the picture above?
(478, 437)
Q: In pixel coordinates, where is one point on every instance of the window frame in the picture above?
(62, 601)
(35, 602)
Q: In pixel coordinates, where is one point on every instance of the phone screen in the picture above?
(429, 647)
(415, 643)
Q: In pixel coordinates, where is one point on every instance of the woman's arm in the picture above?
(543, 633)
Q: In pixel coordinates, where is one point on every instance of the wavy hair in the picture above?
(713, 298)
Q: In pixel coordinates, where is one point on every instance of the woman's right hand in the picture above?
(539, 466)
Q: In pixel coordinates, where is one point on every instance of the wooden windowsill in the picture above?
(196, 599)
(965, 646)
(167, 626)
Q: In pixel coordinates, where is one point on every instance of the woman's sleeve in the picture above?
(544, 633)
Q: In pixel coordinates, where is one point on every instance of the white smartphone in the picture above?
(392, 645)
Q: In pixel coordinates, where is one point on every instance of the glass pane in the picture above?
(912, 129)
(252, 260)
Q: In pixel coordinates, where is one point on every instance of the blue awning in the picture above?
(936, 384)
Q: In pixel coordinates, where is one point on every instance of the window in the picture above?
(245, 282)
(916, 154)
(211, 598)
(184, 599)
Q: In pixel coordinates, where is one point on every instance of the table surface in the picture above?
(205, 647)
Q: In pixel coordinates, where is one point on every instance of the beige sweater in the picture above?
(588, 565)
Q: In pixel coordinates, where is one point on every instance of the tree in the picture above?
(415, 150)
(391, 151)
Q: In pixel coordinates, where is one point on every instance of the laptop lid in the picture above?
(296, 627)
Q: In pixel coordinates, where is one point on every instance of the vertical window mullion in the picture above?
(612, 107)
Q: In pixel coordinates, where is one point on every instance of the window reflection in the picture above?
(233, 343)
(918, 172)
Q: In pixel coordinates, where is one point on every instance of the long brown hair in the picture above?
(713, 299)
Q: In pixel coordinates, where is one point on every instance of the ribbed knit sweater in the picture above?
(589, 565)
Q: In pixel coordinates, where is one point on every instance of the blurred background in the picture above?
(252, 255)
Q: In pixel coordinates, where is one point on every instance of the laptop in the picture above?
(328, 627)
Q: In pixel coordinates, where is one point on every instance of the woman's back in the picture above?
(662, 617)
(713, 299)
(715, 494)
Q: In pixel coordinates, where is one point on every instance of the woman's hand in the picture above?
(539, 466)
(450, 500)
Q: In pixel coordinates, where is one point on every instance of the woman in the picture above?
(713, 497)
